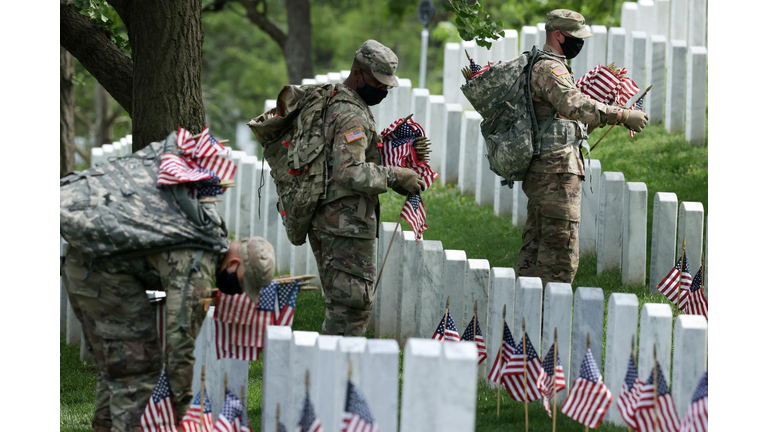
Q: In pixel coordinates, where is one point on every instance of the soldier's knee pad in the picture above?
(351, 291)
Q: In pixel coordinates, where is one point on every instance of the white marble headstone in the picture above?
(470, 134)
(381, 362)
(689, 359)
(696, 96)
(674, 111)
(519, 204)
(590, 209)
(435, 129)
(502, 293)
(485, 178)
(458, 395)
(327, 382)
(620, 328)
(277, 372)
(451, 74)
(391, 275)
(691, 229)
(588, 313)
(638, 44)
(453, 282)
(303, 358)
(510, 45)
(697, 23)
(558, 310)
(528, 38)
(656, 68)
(449, 159)
(418, 409)
(663, 237)
(616, 46)
(629, 23)
(502, 198)
(476, 288)
(430, 300)
(528, 298)
(655, 329)
(598, 46)
(406, 313)
(678, 20)
(610, 226)
(635, 234)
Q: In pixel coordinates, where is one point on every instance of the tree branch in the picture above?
(261, 20)
(91, 45)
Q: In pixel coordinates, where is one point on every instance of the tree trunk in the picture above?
(105, 120)
(67, 114)
(298, 44)
(167, 48)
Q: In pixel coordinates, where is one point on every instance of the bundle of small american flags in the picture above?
(669, 285)
(202, 161)
(397, 150)
(241, 323)
(551, 378)
(520, 374)
(611, 86)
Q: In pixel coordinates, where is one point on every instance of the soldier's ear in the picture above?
(231, 264)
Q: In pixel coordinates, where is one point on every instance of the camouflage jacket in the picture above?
(355, 175)
(554, 90)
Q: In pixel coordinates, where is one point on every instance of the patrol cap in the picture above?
(259, 259)
(567, 21)
(380, 59)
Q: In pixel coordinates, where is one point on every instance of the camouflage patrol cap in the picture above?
(567, 21)
(380, 59)
(259, 259)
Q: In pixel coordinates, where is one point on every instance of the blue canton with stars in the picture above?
(414, 201)
(663, 389)
(702, 390)
(467, 336)
(287, 294)
(696, 283)
(474, 67)
(530, 351)
(451, 324)
(404, 134)
(549, 363)
(232, 408)
(307, 415)
(509, 340)
(207, 186)
(196, 401)
(267, 297)
(631, 376)
(589, 370)
(162, 390)
(356, 404)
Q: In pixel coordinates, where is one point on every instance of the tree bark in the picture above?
(91, 45)
(298, 45)
(67, 114)
(167, 48)
(105, 120)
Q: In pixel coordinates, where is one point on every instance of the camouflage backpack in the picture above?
(293, 138)
(502, 96)
(116, 209)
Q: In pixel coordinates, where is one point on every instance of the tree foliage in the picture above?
(473, 22)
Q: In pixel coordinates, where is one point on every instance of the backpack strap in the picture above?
(536, 54)
(195, 268)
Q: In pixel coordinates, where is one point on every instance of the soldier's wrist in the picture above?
(391, 176)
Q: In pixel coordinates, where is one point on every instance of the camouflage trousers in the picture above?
(551, 235)
(119, 324)
(347, 268)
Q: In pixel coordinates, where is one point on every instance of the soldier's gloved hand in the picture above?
(635, 120)
(408, 180)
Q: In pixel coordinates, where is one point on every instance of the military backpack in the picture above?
(502, 96)
(293, 138)
(117, 210)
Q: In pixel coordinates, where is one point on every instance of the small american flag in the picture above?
(482, 353)
(197, 161)
(287, 295)
(415, 214)
(520, 374)
(357, 416)
(231, 412)
(191, 420)
(601, 84)
(241, 324)
(645, 413)
(697, 417)
(159, 416)
(639, 107)
(589, 398)
(668, 286)
(308, 421)
(447, 332)
(630, 390)
(503, 356)
(697, 303)
(550, 377)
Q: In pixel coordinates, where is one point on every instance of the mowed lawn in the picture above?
(665, 163)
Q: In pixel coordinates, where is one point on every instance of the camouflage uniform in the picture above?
(346, 222)
(120, 326)
(553, 182)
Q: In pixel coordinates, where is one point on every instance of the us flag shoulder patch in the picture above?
(559, 71)
(353, 135)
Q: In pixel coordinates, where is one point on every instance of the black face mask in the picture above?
(571, 47)
(228, 282)
(370, 94)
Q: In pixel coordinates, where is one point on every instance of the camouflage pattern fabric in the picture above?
(347, 268)
(120, 326)
(346, 222)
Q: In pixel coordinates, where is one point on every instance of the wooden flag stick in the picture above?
(277, 418)
(202, 396)
(383, 263)
(242, 399)
(349, 371)
(632, 354)
(655, 392)
(225, 386)
(612, 126)
(554, 379)
(586, 427)
(680, 281)
(474, 324)
(445, 317)
(306, 381)
(501, 362)
(525, 377)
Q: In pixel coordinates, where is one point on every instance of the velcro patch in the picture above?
(353, 135)
(559, 71)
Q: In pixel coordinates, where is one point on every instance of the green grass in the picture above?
(666, 163)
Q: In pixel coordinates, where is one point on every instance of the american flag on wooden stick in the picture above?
(447, 331)
(551, 378)
(668, 285)
(415, 214)
(287, 294)
(504, 356)
(520, 374)
(160, 416)
(231, 412)
(357, 416)
(482, 353)
(308, 421)
(630, 391)
(589, 398)
(645, 413)
(697, 303)
(697, 417)
(191, 420)
(610, 85)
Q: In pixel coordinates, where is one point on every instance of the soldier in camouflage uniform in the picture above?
(120, 323)
(346, 222)
(553, 182)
